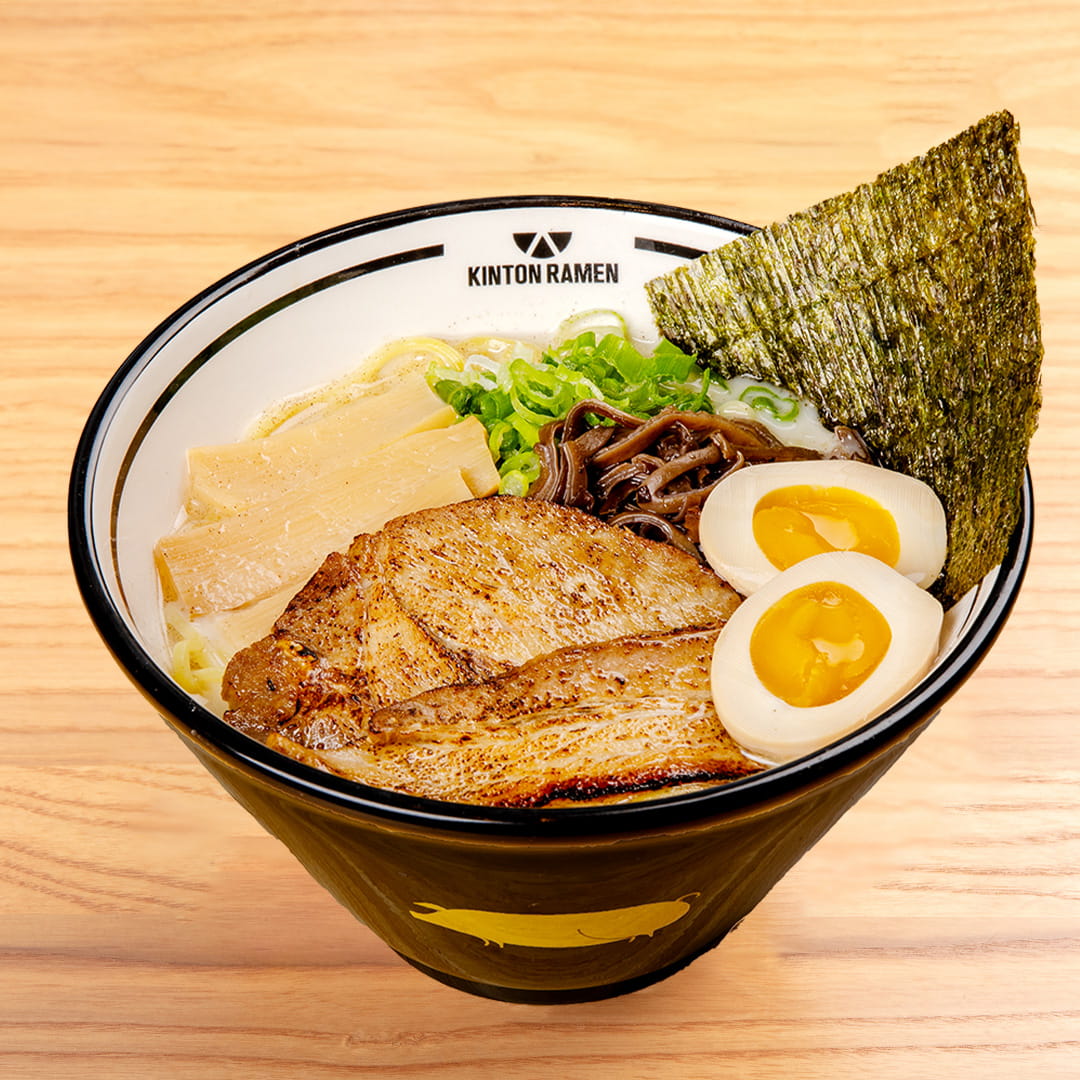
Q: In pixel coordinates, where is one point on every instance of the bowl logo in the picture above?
(569, 930)
(542, 245)
(542, 267)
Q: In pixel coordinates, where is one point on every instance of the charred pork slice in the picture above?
(584, 722)
(301, 680)
(499, 581)
(456, 595)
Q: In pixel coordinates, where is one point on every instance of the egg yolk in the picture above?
(792, 523)
(818, 643)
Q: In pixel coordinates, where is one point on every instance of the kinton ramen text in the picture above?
(544, 274)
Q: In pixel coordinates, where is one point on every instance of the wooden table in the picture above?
(148, 928)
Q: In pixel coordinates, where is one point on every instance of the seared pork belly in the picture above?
(580, 723)
(455, 596)
(499, 581)
(302, 680)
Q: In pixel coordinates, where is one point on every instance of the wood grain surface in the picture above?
(148, 928)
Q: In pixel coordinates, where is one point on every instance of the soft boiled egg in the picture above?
(818, 651)
(762, 519)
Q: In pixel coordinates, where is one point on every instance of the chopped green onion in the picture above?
(498, 442)
(515, 482)
(599, 361)
(762, 399)
(601, 319)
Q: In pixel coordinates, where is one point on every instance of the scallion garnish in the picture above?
(764, 399)
(515, 400)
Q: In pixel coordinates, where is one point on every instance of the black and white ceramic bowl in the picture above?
(521, 905)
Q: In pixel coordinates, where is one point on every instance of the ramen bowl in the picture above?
(525, 905)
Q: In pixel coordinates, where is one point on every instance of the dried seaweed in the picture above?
(905, 309)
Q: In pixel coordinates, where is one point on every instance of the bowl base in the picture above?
(572, 996)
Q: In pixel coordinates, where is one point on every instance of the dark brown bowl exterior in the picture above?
(551, 920)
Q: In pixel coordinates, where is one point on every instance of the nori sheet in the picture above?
(905, 309)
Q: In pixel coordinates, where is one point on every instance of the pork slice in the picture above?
(399, 658)
(303, 680)
(584, 722)
(501, 580)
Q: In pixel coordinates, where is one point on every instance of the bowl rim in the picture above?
(247, 754)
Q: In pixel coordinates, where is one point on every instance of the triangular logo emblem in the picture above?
(542, 245)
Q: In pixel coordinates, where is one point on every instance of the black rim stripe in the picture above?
(662, 247)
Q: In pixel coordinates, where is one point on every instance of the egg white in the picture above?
(766, 726)
(726, 529)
